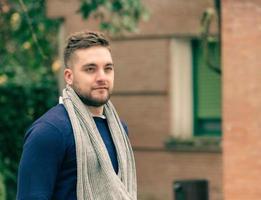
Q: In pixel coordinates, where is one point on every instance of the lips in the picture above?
(100, 88)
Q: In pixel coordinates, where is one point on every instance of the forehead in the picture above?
(93, 54)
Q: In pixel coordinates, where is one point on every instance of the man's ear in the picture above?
(68, 76)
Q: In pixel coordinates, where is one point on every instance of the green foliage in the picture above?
(115, 16)
(20, 104)
(28, 47)
(27, 37)
(2, 188)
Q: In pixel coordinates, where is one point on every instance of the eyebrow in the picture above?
(88, 65)
(110, 64)
(94, 65)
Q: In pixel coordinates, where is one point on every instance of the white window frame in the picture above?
(181, 88)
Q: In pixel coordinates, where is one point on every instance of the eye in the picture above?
(89, 69)
(108, 68)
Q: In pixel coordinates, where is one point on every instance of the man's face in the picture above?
(91, 75)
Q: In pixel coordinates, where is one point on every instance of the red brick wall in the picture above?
(241, 33)
(142, 68)
(147, 117)
(158, 170)
(141, 65)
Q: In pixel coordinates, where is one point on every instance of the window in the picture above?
(206, 91)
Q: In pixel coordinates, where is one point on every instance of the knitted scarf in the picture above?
(96, 178)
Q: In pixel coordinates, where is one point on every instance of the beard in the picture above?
(88, 100)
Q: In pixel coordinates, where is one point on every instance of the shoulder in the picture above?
(57, 117)
(54, 124)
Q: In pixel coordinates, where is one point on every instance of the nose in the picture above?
(101, 75)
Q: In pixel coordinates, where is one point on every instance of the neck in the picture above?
(96, 111)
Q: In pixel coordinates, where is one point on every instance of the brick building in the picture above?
(241, 33)
(161, 90)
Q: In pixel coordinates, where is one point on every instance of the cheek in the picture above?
(80, 78)
(83, 83)
(112, 78)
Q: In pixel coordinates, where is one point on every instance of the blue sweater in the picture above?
(48, 169)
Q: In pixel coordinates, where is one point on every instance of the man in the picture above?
(79, 149)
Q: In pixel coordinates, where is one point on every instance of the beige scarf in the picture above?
(96, 178)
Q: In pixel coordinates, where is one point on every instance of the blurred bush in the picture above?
(28, 87)
(2, 188)
(20, 104)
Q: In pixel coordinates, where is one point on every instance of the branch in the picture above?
(29, 22)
